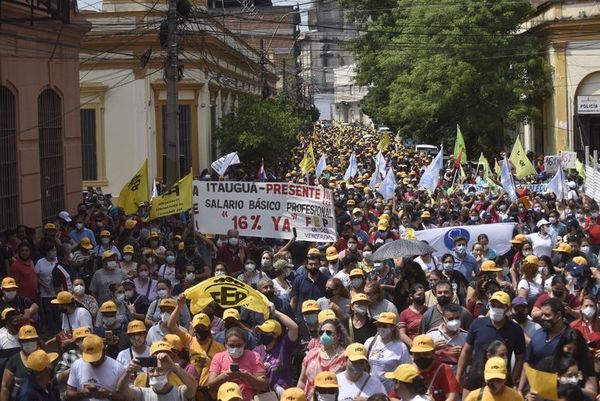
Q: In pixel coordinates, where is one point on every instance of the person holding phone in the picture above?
(160, 387)
(136, 331)
(239, 365)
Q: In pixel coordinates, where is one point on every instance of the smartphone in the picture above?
(92, 388)
(108, 334)
(234, 367)
(147, 362)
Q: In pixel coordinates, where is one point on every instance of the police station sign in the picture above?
(588, 104)
(264, 209)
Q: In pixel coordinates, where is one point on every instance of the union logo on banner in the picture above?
(454, 233)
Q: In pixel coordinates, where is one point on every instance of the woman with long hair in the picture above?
(527, 287)
(410, 318)
(589, 323)
(328, 356)
(474, 377)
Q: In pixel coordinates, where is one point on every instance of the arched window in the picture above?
(50, 122)
(9, 176)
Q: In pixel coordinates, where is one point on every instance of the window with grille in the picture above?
(185, 137)
(89, 151)
(9, 179)
(51, 153)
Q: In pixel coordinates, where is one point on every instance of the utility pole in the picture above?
(284, 79)
(171, 74)
(264, 88)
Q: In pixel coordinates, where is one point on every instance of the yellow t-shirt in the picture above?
(200, 355)
(508, 394)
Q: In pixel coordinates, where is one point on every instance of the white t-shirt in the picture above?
(105, 376)
(124, 356)
(428, 267)
(7, 340)
(80, 317)
(147, 394)
(344, 278)
(547, 283)
(542, 246)
(533, 288)
(385, 358)
(383, 306)
(44, 268)
(168, 272)
(350, 390)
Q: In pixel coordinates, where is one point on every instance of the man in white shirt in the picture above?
(95, 375)
(355, 382)
(72, 316)
(448, 337)
(136, 331)
(9, 339)
(160, 329)
(541, 242)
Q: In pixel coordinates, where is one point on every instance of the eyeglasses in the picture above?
(328, 332)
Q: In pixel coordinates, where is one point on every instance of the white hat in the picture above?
(542, 222)
(572, 184)
(65, 216)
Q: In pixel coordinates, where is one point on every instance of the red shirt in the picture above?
(411, 321)
(23, 271)
(588, 332)
(571, 301)
(594, 232)
(234, 261)
(443, 384)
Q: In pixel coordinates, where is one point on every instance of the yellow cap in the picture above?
(501, 297)
(563, 247)
(270, 327)
(105, 233)
(160, 346)
(231, 313)
(128, 249)
(50, 226)
(356, 210)
(518, 239)
(383, 225)
(136, 326)
(39, 360)
(359, 297)
(422, 343)
(28, 332)
(81, 332)
(293, 394)
(181, 246)
(201, 319)
(384, 217)
(351, 202)
(387, 318)
(356, 352)
(425, 215)
(326, 380)
(229, 391)
(108, 306)
(314, 251)
(490, 266)
(9, 283)
(107, 254)
(495, 368)
(85, 243)
(326, 314)
(63, 298)
(93, 346)
(357, 272)
(405, 373)
(130, 224)
(331, 254)
(310, 305)
(580, 260)
(174, 341)
(167, 303)
(532, 260)
(6, 311)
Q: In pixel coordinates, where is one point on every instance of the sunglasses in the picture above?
(328, 332)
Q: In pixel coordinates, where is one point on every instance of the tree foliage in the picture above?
(259, 129)
(433, 65)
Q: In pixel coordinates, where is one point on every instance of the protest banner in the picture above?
(228, 292)
(265, 209)
(176, 200)
(552, 163)
(568, 159)
(442, 239)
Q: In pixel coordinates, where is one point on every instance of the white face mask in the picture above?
(585, 249)
(588, 311)
(158, 382)
(453, 325)
(356, 282)
(10, 295)
(250, 268)
(127, 258)
(111, 265)
(190, 276)
(361, 309)
(326, 397)
(79, 289)
(234, 241)
(367, 253)
(105, 241)
(79, 226)
(120, 298)
(568, 380)
(496, 314)
(235, 352)
(352, 247)
(129, 294)
(29, 347)
(164, 317)
(219, 273)
(161, 293)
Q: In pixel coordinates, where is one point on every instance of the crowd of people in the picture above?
(93, 308)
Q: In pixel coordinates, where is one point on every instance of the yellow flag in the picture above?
(460, 150)
(518, 158)
(384, 143)
(228, 292)
(483, 161)
(308, 162)
(580, 168)
(135, 191)
(497, 168)
(542, 383)
(176, 200)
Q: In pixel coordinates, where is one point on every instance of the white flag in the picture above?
(321, 165)
(154, 189)
(507, 181)
(380, 163)
(388, 186)
(430, 178)
(221, 165)
(352, 168)
(375, 179)
(557, 184)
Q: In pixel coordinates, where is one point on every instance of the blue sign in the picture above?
(454, 233)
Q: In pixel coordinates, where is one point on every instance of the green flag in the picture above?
(460, 150)
(580, 168)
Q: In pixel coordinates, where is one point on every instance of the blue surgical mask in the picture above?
(326, 340)
(310, 318)
(461, 249)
